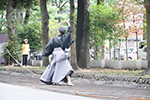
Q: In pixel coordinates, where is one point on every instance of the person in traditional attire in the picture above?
(59, 69)
(25, 52)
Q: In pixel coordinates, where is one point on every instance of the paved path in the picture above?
(105, 90)
(12, 92)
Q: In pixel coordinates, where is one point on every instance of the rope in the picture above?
(21, 65)
(97, 96)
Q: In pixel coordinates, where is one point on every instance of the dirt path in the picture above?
(106, 90)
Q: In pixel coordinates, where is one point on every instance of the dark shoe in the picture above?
(48, 83)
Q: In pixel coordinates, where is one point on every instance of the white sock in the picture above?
(70, 84)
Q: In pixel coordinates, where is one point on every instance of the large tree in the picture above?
(45, 28)
(83, 34)
(73, 47)
(10, 18)
(147, 4)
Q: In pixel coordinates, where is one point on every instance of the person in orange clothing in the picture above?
(25, 52)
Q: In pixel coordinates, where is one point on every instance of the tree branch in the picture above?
(62, 6)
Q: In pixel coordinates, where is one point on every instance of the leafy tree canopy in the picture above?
(32, 32)
(102, 23)
(18, 3)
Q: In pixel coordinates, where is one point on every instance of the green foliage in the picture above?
(102, 21)
(145, 25)
(57, 13)
(2, 4)
(112, 1)
(140, 1)
(18, 3)
(3, 28)
(24, 3)
(53, 29)
(58, 9)
(32, 32)
(35, 15)
(14, 47)
(93, 2)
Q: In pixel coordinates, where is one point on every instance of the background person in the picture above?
(25, 52)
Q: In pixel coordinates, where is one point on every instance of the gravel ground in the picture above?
(108, 90)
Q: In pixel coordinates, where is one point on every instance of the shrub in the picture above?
(14, 47)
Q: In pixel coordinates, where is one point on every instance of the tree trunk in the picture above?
(73, 47)
(114, 52)
(109, 49)
(45, 28)
(102, 48)
(98, 2)
(137, 45)
(61, 7)
(27, 16)
(119, 57)
(114, 46)
(10, 19)
(126, 47)
(83, 57)
(19, 14)
(147, 2)
(95, 52)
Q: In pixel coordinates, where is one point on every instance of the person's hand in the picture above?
(68, 23)
(8, 51)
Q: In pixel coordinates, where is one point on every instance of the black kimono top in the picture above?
(59, 41)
